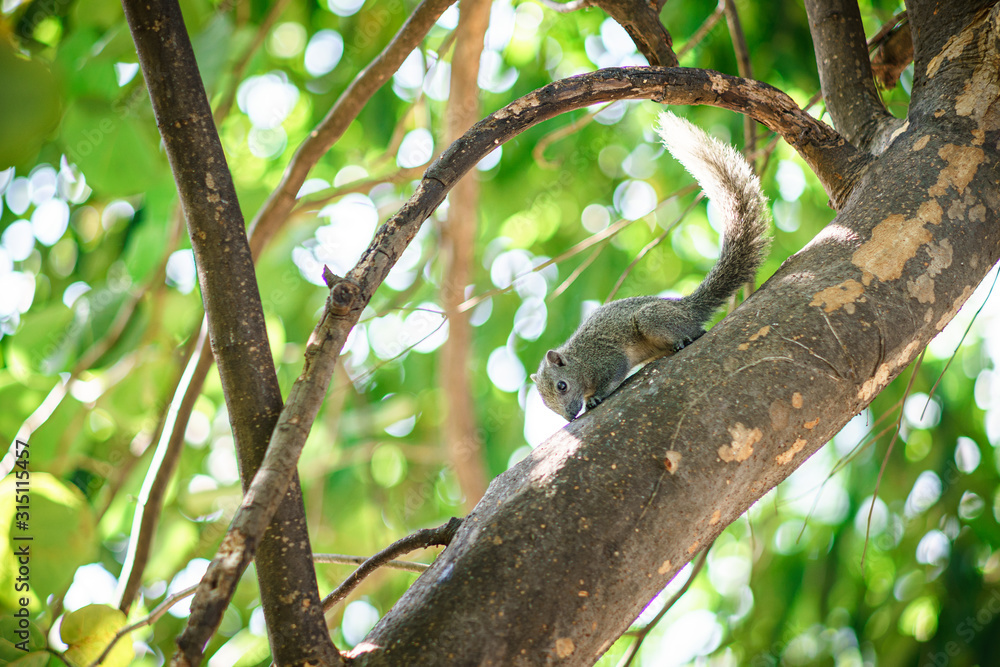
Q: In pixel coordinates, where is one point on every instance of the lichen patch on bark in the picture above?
(719, 84)
(789, 454)
(760, 334)
(565, 647)
(963, 161)
(952, 50)
(517, 107)
(839, 296)
(921, 288)
(896, 240)
(941, 257)
(740, 449)
(874, 384)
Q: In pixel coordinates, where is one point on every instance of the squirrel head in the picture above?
(560, 385)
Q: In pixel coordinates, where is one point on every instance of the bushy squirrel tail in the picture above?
(731, 184)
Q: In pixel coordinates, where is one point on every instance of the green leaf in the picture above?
(118, 151)
(100, 13)
(15, 644)
(28, 117)
(86, 76)
(33, 659)
(60, 525)
(38, 345)
(89, 630)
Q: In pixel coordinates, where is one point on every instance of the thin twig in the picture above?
(538, 152)
(161, 469)
(744, 67)
(703, 30)
(275, 210)
(318, 200)
(944, 370)
(440, 536)
(564, 285)
(652, 244)
(155, 615)
(126, 313)
(605, 233)
(341, 559)
(642, 633)
(885, 460)
(866, 441)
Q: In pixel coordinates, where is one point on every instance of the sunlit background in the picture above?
(90, 249)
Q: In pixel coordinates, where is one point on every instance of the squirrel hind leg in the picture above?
(666, 326)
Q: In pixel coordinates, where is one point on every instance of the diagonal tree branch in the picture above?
(275, 210)
(641, 20)
(428, 537)
(818, 143)
(232, 304)
(611, 507)
(166, 456)
(845, 72)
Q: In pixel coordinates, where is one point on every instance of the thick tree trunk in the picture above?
(567, 548)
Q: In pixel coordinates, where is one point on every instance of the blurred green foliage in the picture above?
(90, 220)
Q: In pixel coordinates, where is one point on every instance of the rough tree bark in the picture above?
(289, 592)
(567, 548)
(819, 145)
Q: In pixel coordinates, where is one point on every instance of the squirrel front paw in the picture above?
(593, 402)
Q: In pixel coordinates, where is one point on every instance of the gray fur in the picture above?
(619, 335)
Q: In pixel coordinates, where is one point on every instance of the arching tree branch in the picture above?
(818, 143)
(607, 510)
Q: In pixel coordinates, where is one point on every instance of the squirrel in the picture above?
(624, 333)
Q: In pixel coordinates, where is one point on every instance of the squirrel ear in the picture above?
(554, 357)
(534, 378)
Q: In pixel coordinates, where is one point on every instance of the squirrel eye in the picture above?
(561, 385)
